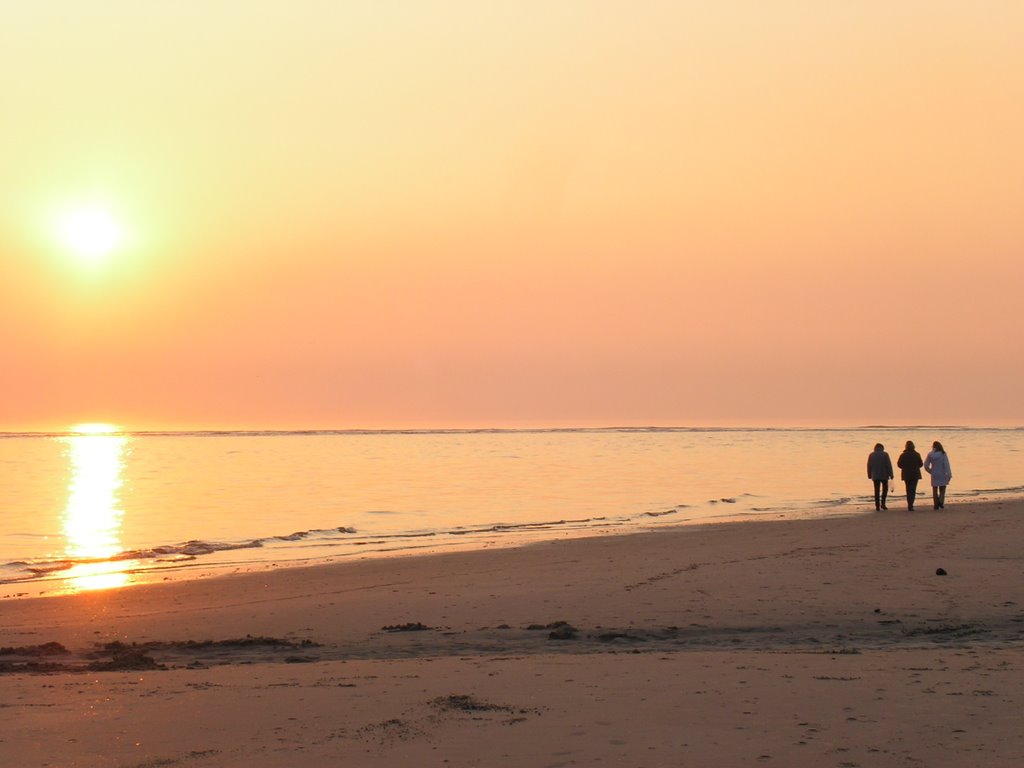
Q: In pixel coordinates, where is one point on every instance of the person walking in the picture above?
(880, 473)
(937, 465)
(910, 465)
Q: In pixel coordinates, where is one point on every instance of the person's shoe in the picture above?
(910, 509)
(884, 507)
(877, 507)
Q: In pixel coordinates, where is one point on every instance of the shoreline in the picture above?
(127, 572)
(505, 656)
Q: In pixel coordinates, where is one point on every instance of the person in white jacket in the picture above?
(937, 465)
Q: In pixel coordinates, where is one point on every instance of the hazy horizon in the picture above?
(107, 428)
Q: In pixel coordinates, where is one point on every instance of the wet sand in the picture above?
(802, 643)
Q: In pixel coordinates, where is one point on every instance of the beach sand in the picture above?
(789, 643)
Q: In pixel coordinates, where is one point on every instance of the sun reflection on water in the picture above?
(93, 517)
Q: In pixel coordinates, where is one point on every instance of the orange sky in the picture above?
(414, 214)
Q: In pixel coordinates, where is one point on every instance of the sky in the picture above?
(331, 214)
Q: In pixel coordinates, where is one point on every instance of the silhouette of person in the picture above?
(910, 465)
(880, 473)
(937, 465)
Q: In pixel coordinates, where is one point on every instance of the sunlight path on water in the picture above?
(93, 516)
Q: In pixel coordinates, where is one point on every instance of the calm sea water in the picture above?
(84, 511)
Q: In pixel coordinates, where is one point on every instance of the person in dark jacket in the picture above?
(910, 464)
(880, 473)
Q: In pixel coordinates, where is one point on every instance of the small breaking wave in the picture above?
(840, 502)
(1013, 490)
(325, 542)
(153, 557)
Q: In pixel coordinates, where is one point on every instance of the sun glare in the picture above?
(93, 517)
(90, 233)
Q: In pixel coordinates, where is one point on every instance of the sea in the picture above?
(99, 508)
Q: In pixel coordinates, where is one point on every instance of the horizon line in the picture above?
(117, 430)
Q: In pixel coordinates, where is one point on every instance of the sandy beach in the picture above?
(835, 642)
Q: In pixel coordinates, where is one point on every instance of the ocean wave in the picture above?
(42, 569)
(22, 570)
(667, 512)
(832, 502)
(334, 540)
(974, 493)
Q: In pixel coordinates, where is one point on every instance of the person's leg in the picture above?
(885, 493)
(911, 494)
(942, 497)
(935, 496)
(878, 489)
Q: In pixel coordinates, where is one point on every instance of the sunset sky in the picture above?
(335, 214)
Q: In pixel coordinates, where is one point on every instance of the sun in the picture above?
(90, 233)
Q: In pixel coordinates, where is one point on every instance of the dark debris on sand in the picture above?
(42, 667)
(558, 630)
(412, 626)
(248, 641)
(29, 658)
(464, 703)
(46, 649)
(124, 659)
(206, 645)
(119, 656)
